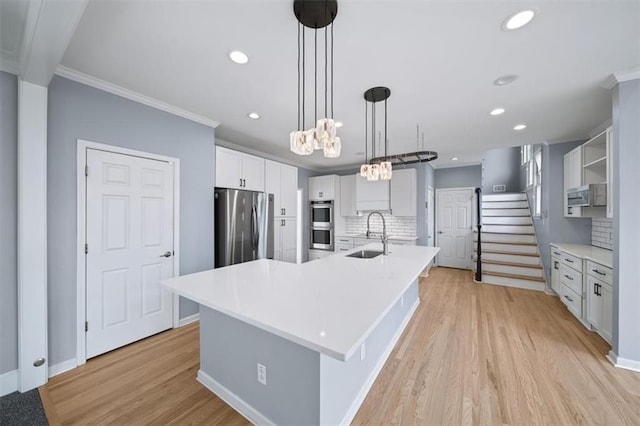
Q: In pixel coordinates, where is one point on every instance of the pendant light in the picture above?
(322, 136)
(375, 168)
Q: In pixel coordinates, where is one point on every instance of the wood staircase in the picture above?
(510, 255)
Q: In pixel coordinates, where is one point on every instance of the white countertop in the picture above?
(329, 305)
(377, 235)
(595, 254)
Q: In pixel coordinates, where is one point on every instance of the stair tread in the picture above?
(510, 252)
(519, 265)
(504, 233)
(501, 207)
(475, 240)
(515, 276)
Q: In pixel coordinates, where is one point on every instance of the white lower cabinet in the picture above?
(284, 236)
(555, 273)
(600, 300)
(572, 300)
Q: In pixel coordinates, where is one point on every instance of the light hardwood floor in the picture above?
(472, 354)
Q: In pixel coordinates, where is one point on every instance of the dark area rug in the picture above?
(22, 409)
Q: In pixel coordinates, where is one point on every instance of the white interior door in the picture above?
(454, 216)
(431, 218)
(130, 244)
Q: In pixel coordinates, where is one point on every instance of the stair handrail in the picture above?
(479, 227)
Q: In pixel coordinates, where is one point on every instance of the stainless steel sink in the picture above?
(365, 254)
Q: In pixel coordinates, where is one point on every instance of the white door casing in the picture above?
(454, 227)
(145, 186)
(430, 217)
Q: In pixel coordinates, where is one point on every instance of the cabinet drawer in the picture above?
(344, 240)
(344, 247)
(572, 300)
(571, 278)
(555, 252)
(600, 272)
(572, 261)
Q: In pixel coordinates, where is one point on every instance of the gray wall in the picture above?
(552, 226)
(458, 177)
(501, 166)
(8, 222)
(81, 112)
(626, 226)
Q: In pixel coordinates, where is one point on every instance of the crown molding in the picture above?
(97, 83)
(8, 62)
(621, 76)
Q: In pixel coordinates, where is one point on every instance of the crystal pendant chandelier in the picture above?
(375, 169)
(315, 14)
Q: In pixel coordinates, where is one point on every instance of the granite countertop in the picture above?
(595, 254)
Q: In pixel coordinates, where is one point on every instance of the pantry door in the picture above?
(454, 229)
(129, 248)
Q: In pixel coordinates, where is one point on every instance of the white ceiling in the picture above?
(439, 58)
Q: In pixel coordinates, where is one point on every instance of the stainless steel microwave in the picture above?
(593, 195)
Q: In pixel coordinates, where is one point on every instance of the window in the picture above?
(525, 154)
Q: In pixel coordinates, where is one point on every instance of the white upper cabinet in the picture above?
(371, 195)
(348, 195)
(404, 193)
(281, 180)
(323, 188)
(238, 170)
(572, 178)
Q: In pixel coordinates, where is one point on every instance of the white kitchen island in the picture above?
(322, 329)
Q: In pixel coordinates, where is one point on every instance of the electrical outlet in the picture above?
(363, 352)
(262, 374)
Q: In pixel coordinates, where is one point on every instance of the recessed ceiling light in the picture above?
(520, 127)
(518, 20)
(238, 57)
(497, 111)
(505, 79)
(253, 115)
(338, 123)
(454, 158)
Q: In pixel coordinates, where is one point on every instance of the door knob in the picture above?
(166, 254)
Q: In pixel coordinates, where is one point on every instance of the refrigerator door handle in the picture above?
(255, 232)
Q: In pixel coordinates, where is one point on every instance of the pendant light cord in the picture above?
(326, 9)
(303, 75)
(386, 140)
(298, 128)
(315, 75)
(332, 65)
(366, 132)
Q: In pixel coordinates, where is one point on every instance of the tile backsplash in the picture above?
(396, 225)
(602, 233)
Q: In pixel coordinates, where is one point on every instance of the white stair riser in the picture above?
(508, 229)
(515, 270)
(507, 247)
(501, 220)
(505, 205)
(513, 282)
(513, 258)
(506, 212)
(504, 197)
(506, 238)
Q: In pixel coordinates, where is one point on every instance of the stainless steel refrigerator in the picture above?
(243, 226)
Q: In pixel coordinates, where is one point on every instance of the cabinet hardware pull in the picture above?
(568, 277)
(598, 272)
(568, 260)
(284, 212)
(240, 182)
(568, 298)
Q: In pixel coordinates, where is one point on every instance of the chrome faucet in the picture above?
(385, 240)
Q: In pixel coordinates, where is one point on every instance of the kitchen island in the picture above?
(322, 330)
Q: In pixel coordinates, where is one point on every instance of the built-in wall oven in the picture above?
(321, 231)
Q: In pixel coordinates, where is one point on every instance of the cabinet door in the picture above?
(610, 180)
(288, 190)
(228, 168)
(253, 173)
(372, 195)
(277, 238)
(288, 244)
(348, 195)
(272, 185)
(403, 193)
(572, 178)
(555, 274)
(321, 188)
(594, 303)
(606, 323)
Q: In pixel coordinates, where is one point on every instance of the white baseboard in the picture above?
(237, 403)
(62, 367)
(627, 364)
(364, 390)
(8, 382)
(188, 320)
